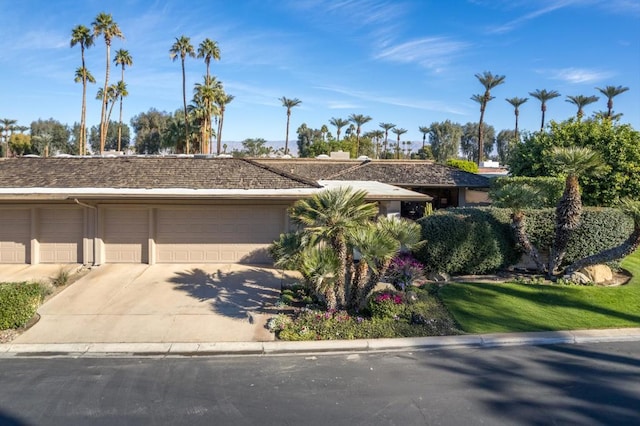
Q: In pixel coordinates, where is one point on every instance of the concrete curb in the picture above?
(318, 347)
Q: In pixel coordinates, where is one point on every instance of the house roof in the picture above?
(407, 173)
(146, 172)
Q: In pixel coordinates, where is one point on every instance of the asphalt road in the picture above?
(571, 384)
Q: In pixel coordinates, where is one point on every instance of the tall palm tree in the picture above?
(581, 101)
(7, 128)
(83, 75)
(327, 217)
(377, 135)
(398, 131)
(120, 93)
(222, 100)
(104, 25)
(82, 35)
(516, 103)
(611, 92)
(205, 93)
(489, 81)
(543, 96)
(209, 49)
(339, 123)
(425, 131)
(181, 49)
(112, 96)
(359, 120)
(288, 104)
(124, 59)
(386, 127)
(575, 162)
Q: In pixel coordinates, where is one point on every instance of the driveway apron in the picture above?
(164, 303)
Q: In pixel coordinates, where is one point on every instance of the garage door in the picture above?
(126, 235)
(217, 233)
(14, 235)
(60, 235)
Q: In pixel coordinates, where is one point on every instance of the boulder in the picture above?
(381, 286)
(439, 277)
(578, 278)
(598, 273)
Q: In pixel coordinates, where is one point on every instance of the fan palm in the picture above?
(209, 49)
(82, 35)
(377, 135)
(543, 96)
(327, 217)
(104, 25)
(398, 131)
(581, 101)
(339, 123)
(386, 127)
(205, 94)
(181, 49)
(516, 103)
(425, 131)
(575, 162)
(611, 92)
(222, 100)
(7, 126)
(124, 59)
(489, 81)
(288, 104)
(359, 120)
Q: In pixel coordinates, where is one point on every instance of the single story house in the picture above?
(174, 209)
(448, 186)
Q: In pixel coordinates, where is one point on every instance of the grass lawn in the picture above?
(492, 308)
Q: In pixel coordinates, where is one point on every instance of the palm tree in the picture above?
(518, 197)
(120, 93)
(209, 49)
(425, 131)
(206, 94)
(105, 26)
(581, 101)
(82, 35)
(222, 100)
(339, 123)
(377, 135)
(631, 244)
(489, 81)
(288, 104)
(112, 96)
(543, 96)
(516, 103)
(183, 48)
(398, 131)
(327, 217)
(386, 127)
(611, 92)
(123, 58)
(575, 162)
(7, 127)
(358, 120)
(83, 75)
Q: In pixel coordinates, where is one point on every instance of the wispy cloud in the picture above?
(430, 52)
(577, 75)
(40, 40)
(547, 7)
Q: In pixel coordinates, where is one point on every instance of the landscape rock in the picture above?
(578, 278)
(598, 273)
(439, 276)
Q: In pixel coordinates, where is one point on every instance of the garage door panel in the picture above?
(215, 234)
(60, 235)
(15, 236)
(126, 235)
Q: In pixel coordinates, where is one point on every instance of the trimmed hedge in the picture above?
(550, 187)
(18, 303)
(467, 166)
(480, 240)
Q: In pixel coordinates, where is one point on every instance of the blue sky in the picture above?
(410, 62)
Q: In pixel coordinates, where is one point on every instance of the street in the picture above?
(565, 384)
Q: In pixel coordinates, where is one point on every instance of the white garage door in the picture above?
(126, 235)
(217, 234)
(14, 235)
(60, 235)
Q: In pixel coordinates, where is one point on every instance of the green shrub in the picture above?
(480, 240)
(467, 166)
(386, 304)
(62, 278)
(467, 241)
(551, 188)
(18, 303)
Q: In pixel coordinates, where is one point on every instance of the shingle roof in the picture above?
(146, 172)
(310, 168)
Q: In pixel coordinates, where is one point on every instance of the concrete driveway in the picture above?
(161, 303)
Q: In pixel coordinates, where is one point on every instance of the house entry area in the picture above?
(140, 233)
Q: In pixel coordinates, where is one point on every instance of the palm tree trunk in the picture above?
(103, 126)
(357, 284)
(543, 108)
(83, 116)
(515, 134)
(340, 248)
(220, 121)
(120, 127)
(184, 103)
(518, 225)
(630, 245)
(480, 141)
(374, 277)
(286, 141)
(568, 215)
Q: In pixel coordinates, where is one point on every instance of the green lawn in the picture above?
(492, 308)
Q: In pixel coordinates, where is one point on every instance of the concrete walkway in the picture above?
(186, 310)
